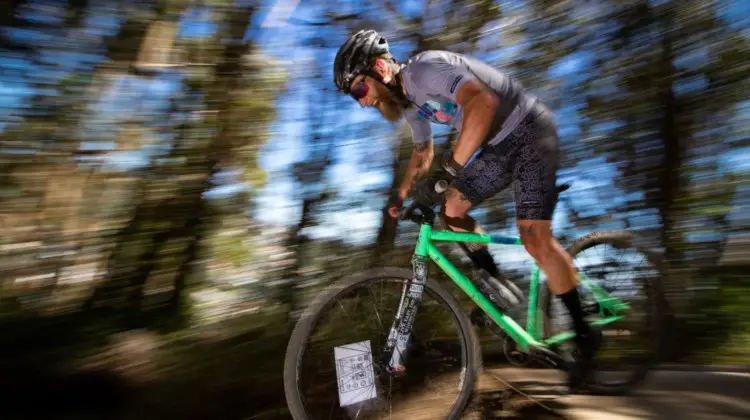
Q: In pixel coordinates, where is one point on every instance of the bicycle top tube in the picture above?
(426, 217)
(447, 235)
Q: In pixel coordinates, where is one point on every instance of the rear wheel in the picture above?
(630, 348)
(357, 313)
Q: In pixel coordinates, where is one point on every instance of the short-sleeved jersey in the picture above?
(432, 80)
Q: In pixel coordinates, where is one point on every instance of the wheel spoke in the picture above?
(436, 359)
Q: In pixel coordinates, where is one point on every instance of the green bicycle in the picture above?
(388, 343)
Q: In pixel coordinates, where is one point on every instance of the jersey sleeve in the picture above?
(439, 75)
(421, 131)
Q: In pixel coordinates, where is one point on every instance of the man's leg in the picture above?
(535, 194)
(454, 213)
(487, 174)
(555, 262)
(537, 238)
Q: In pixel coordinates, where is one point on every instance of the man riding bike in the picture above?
(492, 111)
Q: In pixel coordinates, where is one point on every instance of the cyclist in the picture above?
(517, 137)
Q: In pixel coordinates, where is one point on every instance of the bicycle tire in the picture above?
(310, 316)
(657, 306)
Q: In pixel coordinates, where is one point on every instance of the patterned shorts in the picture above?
(529, 155)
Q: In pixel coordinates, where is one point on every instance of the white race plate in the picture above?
(356, 379)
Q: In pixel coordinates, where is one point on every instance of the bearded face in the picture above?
(372, 93)
(391, 107)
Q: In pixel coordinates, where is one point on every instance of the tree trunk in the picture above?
(669, 174)
(187, 220)
(669, 177)
(387, 232)
(9, 19)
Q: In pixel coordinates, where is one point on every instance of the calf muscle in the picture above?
(554, 261)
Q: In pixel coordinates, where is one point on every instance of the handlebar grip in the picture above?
(440, 187)
(404, 213)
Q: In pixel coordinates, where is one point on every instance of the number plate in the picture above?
(356, 378)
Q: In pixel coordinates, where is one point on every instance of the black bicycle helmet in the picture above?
(353, 58)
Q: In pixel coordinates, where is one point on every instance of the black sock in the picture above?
(573, 302)
(482, 259)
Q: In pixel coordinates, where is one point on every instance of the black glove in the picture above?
(425, 192)
(450, 166)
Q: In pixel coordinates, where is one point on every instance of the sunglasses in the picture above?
(359, 90)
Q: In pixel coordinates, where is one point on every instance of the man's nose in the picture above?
(362, 102)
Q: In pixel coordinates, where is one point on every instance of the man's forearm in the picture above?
(479, 113)
(419, 165)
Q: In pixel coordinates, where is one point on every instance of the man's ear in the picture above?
(381, 66)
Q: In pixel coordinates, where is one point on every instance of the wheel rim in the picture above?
(435, 369)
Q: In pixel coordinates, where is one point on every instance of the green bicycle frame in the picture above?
(610, 307)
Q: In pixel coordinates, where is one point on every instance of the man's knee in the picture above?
(459, 223)
(454, 211)
(537, 239)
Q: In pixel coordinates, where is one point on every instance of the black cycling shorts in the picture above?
(530, 156)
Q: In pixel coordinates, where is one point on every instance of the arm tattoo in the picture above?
(422, 163)
(418, 174)
(419, 164)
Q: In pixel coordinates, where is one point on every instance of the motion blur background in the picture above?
(177, 178)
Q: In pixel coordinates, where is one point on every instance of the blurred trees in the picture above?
(658, 77)
(162, 152)
(223, 88)
(656, 102)
(233, 100)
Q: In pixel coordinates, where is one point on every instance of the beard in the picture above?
(390, 106)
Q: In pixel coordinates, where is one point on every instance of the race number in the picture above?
(356, 378)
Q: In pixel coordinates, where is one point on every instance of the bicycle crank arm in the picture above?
(549, 358)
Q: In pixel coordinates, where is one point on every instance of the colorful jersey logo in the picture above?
(442, 112)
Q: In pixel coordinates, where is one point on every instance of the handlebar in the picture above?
(406, 213)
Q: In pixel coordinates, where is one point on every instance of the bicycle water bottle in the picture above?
(497, 292)
(441, 186)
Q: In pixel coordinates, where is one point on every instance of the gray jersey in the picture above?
(432, 80)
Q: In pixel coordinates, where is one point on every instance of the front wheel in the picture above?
(335, 367)
(613, 261)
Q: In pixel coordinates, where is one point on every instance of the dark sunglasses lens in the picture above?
(359, 90)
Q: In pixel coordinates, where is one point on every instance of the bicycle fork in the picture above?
(399, 337)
